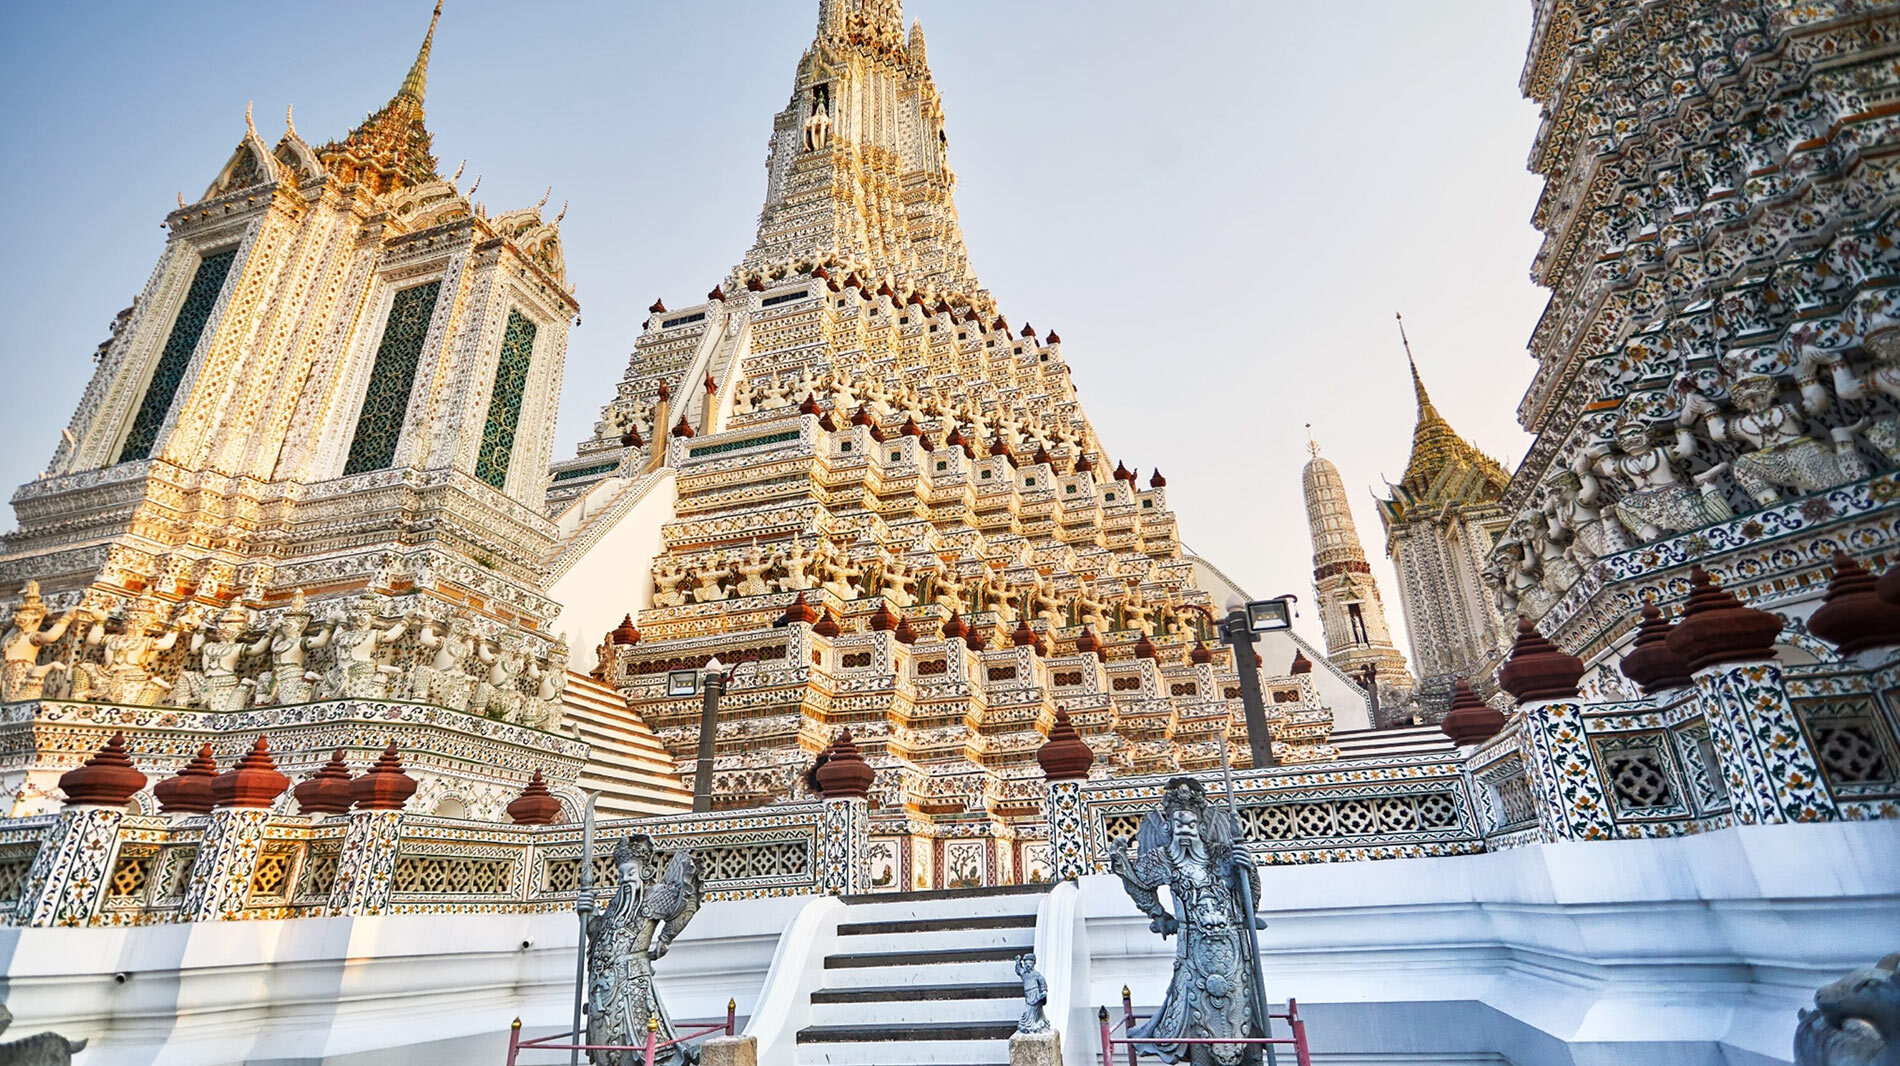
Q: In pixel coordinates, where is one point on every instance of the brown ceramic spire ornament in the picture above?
(1470, 720)
(1853, 617)
(189, 790)
(253, 782)
(1649, 662)
(1064, 756)
(845, 774)
(536, 805)
(1716, 628)
(108, 779)
(328, 790)
(1538, 669)
(383, 787)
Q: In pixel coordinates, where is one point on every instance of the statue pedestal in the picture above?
(742, 1051)
(1035, 1049)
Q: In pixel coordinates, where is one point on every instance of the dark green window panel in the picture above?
(504, 404)
(176, 356)
(385, 405)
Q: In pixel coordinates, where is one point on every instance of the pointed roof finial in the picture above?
(249, 126)
(290, 126)
(1418, 383)
(544, 198)
(1311, 444)
(416, 84)
(457, 176)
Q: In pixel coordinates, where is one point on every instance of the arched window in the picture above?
(504, 404)
(187, 327)
(386, 403)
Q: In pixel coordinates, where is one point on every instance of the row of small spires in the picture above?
(109, 779)
(915, 299)
(1858, 613)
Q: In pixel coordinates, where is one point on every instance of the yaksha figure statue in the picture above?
(621, 949)
(1195, 851)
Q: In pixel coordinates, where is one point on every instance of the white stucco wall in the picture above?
(613, 577)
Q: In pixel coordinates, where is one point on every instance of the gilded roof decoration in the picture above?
(391, 148)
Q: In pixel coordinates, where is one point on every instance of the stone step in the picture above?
(971, 1011)
(1010, 990)
(1019, 938)
(911, 1053)
(926, 969)
(933, 925)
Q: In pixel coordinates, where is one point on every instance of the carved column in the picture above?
(1571, 801)
(1772, 773)
(845, 846)
(234, 837)
(366, 867)
(70, 875)
(1065, 760)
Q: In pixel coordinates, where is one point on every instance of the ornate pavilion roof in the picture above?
(390, 150)
(1444, 469)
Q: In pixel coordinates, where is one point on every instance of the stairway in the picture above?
(924, 977)
(1384, 743)
(626, 763)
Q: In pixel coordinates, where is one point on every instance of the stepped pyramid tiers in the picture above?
(1719, 364)
(872, 439)
(312, 460)
(1350, 610)
(1441, 523)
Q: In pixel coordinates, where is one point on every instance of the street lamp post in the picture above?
(714, 687)
(1237, 634)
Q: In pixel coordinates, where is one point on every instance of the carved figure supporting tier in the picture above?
(1194, 850)
(1783, 455)
(443, 680)
(128, 647)
(668, 577)
(622, 947)
(288, 681)
(357, 674)
(221, 653)
(24, 678)
(1659, 500)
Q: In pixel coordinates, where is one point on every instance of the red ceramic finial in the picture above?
(1854, 618)
(536, 805)
(1025, 637)
(328, 790)
(1538, 669)
(827, 625)
(904, 633)
(1888, 587)
(1202, 654)
(658, 308)
(253, 783)
(798, 611)
(108, 779)
(1649, 662)
(1301, 664)
(1716, 628)
(1064, 756)
(1145, 648)
(1470, 720)
(955, 627)
(718, 295)
(683, 429)
(1090, 644)
(845, 774)
(383, 787)
(883, 620)
(625, 634)
(189, 790)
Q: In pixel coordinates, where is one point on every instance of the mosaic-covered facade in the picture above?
(1716, 373)
(309, 469)
(889, 496)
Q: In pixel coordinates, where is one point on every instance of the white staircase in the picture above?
(626, 762)
(1383, 743)
(926, 977)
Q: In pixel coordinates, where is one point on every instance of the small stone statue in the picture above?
(1194, 850)
(40, 1049)
(621, 948)
(668, 576)
(222, 653)
(1856, 1020)
(1660, 499)
(1035, 995)
(357, 675)
(818, 128)
(288, 681)
(1784, 454)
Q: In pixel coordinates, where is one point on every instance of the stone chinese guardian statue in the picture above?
(1194, 851)
(1855, 1020)
(622, 946)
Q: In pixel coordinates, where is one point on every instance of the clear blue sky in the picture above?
(1219, 203)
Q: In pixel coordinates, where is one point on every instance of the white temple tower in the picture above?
(1357, 640)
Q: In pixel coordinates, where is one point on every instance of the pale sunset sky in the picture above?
(1219, 203)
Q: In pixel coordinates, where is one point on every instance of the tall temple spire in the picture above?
(1349, 606)
(1435, 445)
(416, 84)
(390, 149)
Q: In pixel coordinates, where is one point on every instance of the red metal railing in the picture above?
(1291, 1016)
(651, 1047)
